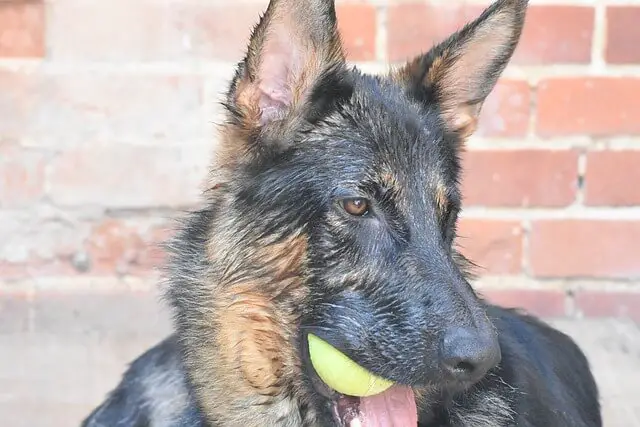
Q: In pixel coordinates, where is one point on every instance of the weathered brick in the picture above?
(556, 34)
(124, 176)
(357, 26)
(612, 178)
(495, 246)
(623, 33)
(17, 93)
(117, 30)
(168, 31)
(526, 178)
(119, 315)
(588, 105)
(37, 247)
(506, 111)
(36, 244)
(58, 110)
(35, 268)
(14, 313)
(12, 271)
(585, 248)
(119, 247)
(539, 302)
(413, 28)
(146, 30)
(38, 235)
(551, 33)
(213, 30)
(21, 176)
(594, 303)
(22, 25)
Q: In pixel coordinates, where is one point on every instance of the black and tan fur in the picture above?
(272, 254)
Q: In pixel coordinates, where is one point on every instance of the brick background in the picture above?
(107, 126)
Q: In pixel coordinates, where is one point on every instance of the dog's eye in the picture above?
(356, 206)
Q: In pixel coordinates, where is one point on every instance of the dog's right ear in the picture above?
(459, 73)
(291, 50)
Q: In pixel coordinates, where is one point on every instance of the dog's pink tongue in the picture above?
(396, 407)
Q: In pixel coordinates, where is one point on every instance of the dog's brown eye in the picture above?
(356, 206)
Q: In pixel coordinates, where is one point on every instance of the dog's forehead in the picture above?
(399, 135)
(409, 126)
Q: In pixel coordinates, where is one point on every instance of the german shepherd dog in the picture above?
(333, 212)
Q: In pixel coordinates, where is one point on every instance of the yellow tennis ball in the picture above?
(341, 373)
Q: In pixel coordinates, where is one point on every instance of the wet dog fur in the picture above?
(332, 209)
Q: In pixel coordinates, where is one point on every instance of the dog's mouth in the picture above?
(395, 407)
(358, 398)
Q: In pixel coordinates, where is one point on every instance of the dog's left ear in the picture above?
(294, 46)
(460, 72)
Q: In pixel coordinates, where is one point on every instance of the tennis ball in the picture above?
(341, 373)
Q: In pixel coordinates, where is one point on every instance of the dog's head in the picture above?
(332, 223)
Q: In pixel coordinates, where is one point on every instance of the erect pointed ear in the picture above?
(291, 50)
(460, 72)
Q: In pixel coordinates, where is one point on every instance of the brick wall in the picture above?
(106, 128)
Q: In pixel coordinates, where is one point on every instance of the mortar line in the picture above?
(381, 41)
(598, 44)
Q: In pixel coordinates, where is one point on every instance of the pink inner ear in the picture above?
(272, 103)
(278, 74)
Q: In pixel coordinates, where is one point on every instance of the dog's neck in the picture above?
(238, 330)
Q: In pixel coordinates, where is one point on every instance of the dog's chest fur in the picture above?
(164, 393)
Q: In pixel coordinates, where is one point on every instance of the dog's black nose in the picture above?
(467, 354)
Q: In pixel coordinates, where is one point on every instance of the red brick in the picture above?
(151, 31)
(551, 33)
(585, 248)
(357, 25)
(17, 92)
(538, 302)
(623, 34)
(495, 246)
(413, 28)
(591, 303)
(22, 28)
(39, 243)
(519, 178)
(21, 176)
(16, 311)
(35, 268)
(122, 176)
(59, 109)
(120, 247)
(107, 31)
(215, 31)
(556, 34)
(612, 178)
(595, 106)
(165, 31)
(506, 111)
(39, 247)
(12, 270)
